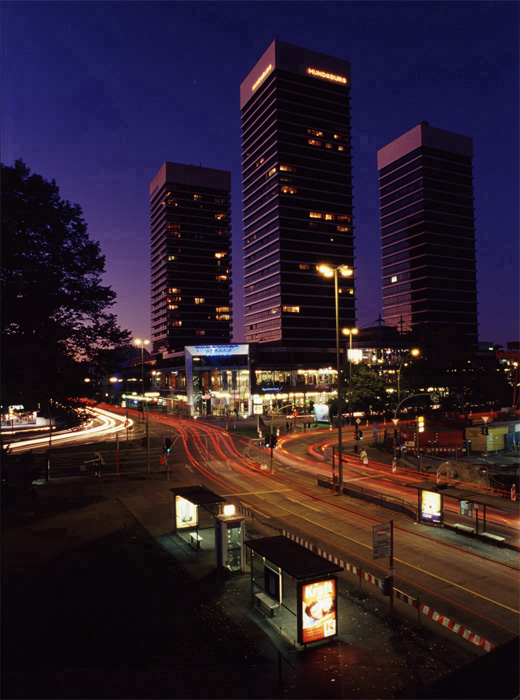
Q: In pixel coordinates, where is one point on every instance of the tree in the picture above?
(55, 311)
(368, 391)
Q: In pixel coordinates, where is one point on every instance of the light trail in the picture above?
(109, 424)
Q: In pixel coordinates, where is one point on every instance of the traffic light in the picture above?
(274, 440)
(420, 424)
(484, 430)
(167, 445)
(356, 433)
(144, 441)
(140, 407)
(360, 434)
(268, 441)
(385, 585)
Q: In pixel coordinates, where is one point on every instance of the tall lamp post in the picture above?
(350, 332)
(344, 271)
(412, 353)
(141, 344)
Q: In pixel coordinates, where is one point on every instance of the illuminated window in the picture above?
(394, 278)
(259, 162)
(173, 290)
(220, 216)
(222, 309)
(338, 137)
(343, 228)
(221, 278)
(177, 324)
(220, 255)
(200, 332)
(197, 196)
(291, 309)
(170, 299)
(328, 145)
(304, 266)
(342, 217)
(175, 227)
(273, 311)
(171, 257)
(172, 307)
(288, 190)
(332, 240)
(340, 148)
(313, 142)
(221, 231)
(172, 201)
(222, 317)
(199, 300)
(315, 215)
(271, 172)
(287, 168)
(330, 217)
(313, 132)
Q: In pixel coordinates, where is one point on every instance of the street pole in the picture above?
(147, 442)
(338, 368)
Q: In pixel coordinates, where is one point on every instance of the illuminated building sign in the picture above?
(262, 77)
(317, 609)
(327, 76)
(214, 350)
(186, 513)
(431, 507)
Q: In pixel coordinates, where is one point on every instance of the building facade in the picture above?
(190, 231)
(297, 196)
(428, 232)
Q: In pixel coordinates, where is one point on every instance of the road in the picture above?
(471, 582)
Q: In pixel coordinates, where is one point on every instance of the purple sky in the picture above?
(97, 95)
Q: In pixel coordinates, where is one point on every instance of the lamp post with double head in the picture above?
(350, 332)
(141, 344)
(413, 353)
(344, 271)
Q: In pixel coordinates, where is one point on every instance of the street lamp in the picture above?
(412, 353)
(141, 344)
(344, 271)
(350, 332)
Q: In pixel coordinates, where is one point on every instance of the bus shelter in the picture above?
(194, 511)
(471, 512)
(294, 588)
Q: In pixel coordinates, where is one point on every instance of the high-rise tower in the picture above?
(428, 232)
(297, 195)
(190, 256)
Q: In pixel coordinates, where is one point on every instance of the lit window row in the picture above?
(313, 132)
(173, 290)
(222, 309)
(291, 309)
(220, 255)
(199, 300)
(221, 278)
(329, 217)
(304, 266)
(222, 317)
(287, 168)
(285, 189)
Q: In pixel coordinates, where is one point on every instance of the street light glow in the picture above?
(328, 271)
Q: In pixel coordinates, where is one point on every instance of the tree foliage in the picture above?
(55, 309)
(368, 391)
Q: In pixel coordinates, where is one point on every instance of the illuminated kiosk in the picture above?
(229, 540)
(194, 510)
(294, 587)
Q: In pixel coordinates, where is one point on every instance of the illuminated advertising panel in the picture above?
(466, 508)
(317, 610)
(185, 513)
(431, 507)
(324, 75)
(321, 413)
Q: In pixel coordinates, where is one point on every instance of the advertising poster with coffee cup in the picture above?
(318, 610)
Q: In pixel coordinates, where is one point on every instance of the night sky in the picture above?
(97, 95)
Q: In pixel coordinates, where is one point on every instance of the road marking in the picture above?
(254, 493)
(401, 561)
(188, 466)
(306, 505)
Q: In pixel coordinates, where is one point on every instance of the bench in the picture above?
(267, 602)
(464, 528)
(195, 540)
(495, 538)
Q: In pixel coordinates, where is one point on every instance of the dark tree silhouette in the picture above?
(55, 313)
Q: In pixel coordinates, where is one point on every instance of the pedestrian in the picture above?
(363, 455)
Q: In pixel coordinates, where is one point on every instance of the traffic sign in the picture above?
(381, 540)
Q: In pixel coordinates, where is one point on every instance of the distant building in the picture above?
(190, 230)
(297, 196)
(428, 232)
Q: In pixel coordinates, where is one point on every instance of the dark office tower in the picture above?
(297, 195)
(190, 256)
(428, 232)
